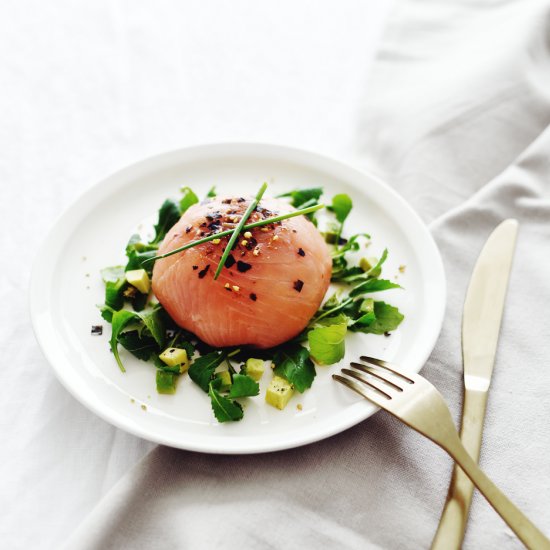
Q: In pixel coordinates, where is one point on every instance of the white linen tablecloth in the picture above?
(454, 115)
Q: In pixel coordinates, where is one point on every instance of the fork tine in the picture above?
(387, 366)
(369, 370)
(365, 380)
(361, 390)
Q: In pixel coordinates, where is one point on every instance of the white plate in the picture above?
(66, 286)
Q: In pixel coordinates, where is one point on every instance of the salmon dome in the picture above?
(273, 281)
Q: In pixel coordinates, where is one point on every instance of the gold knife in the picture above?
(480, 329)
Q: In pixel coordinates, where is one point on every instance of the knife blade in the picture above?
(481, 322)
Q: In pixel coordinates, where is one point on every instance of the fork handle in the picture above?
(525, 530)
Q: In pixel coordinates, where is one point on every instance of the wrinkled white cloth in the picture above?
(454, 115)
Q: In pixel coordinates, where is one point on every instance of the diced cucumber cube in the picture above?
(279, 392)
(175, 356)
(254, 368)
(166, 382)
(139, 279)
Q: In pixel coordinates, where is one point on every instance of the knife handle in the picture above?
(452, 525)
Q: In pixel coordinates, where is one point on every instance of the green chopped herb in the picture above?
(141, 345)
(188, 199)
(169, 215)
(341, 206)
(299, 197)
(224, 409)
(153, 321)
(202, 369)
(387, 319)
(243, 386)
(327, 344)
(373, 285)
(293, 363)
(114, 293)
(120, 320)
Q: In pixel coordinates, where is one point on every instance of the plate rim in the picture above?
(266, 150)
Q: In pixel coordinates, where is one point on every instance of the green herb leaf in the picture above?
(327, 344)
(224, 409)
(114, 293)
(139, 301)
(141, 260)
(153, 321)
(365, 313)
(388, 318)
(377, 269)
(351, 245)
(333, 306)
(112, 274)
(169, 215)
(202, 369)
(339, 319)
(106, 313)
(188, 199)
(243, 386)
(211, 192)
(341, 206)
(135, 244)
(342, 273)
(373, 285)
(301, 196)
(293, 363)
(138, 344)
(120, 320)
(137, 252)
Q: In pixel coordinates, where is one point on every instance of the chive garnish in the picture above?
(238, 229)
(267, 221)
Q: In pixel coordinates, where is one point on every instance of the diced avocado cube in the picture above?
(367, 305)
(139, 279)
(175, 356)
(330, 237)
(368, 264)
(225, 377)
(332, 233)
(254, 368)
(166, 382)
(279, 392)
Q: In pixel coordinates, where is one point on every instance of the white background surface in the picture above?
(88, 87)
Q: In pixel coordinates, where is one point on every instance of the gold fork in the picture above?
(414, 401)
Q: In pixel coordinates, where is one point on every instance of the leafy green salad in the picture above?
(143, 327)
